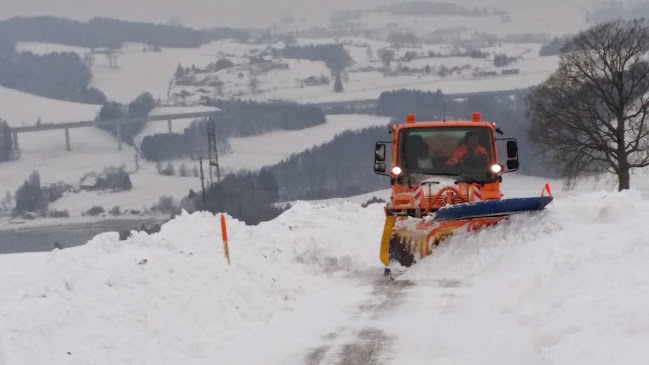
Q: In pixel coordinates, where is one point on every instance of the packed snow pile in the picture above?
(171, 297)
(569, 285)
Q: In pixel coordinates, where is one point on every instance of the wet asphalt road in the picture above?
(36, 239)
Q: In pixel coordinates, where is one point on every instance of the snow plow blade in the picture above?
(491, 208)
(414, 238)
(385, 240)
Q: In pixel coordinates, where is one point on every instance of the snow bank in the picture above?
(171, 297)
(569, 285)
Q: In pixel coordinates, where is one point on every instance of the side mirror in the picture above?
(512, 149)
(379, 152)
(512, 164)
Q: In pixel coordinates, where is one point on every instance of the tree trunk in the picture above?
(624, 179)
(624, 176)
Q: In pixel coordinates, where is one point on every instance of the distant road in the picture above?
(38, 239)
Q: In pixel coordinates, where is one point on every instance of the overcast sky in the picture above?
(196, 13)
(201, 13)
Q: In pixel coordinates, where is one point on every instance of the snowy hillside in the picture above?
(308, 287)
(24, 109)
(94, 149)
(287, 79)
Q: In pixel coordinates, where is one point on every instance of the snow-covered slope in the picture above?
(561, 286)
(24, 109)
(140, 71)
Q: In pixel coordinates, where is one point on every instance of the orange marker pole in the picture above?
(224, 232)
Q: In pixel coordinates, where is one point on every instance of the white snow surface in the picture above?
(563, 286)
(185, 304)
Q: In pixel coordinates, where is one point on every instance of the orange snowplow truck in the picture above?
(435, 166)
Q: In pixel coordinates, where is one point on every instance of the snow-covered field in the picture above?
(250, 153)
(307, 287)
(24, 109)
(154, 71)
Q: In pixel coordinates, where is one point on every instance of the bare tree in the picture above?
(387, 56)
(254, 85)
(590, 116)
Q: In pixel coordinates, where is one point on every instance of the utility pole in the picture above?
(212, 151)
(203, 183)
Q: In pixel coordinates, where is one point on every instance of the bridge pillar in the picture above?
(67, 139)
(169, 125)
(15, 141)
(119, 137)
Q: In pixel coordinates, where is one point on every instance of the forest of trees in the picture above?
(249, 118)
(423, 104)
(140, 107)
(7, 45)
(341, 167)
(554, 46)
(109, 33)
(248, 196)
(98, 32)
(165, 146)
(427, 8)
(236, 119)
(334, 55)
(192, 142)
(334, 169)
(30, 197)
(6, 141)
(61, 76)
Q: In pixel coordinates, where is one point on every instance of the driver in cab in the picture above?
(469, 147)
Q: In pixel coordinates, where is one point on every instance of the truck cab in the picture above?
(429, 156)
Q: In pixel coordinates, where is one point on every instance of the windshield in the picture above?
(455, 151)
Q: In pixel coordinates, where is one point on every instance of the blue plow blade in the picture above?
(491, 208)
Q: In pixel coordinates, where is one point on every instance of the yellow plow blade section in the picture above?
(385, 240)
